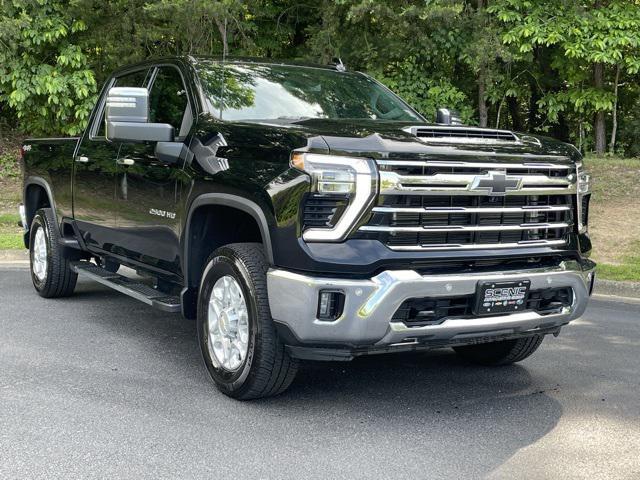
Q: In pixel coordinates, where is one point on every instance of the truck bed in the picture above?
(50, 161)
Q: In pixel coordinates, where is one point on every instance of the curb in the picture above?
(617, 289)
(610, 288)
(14, 256)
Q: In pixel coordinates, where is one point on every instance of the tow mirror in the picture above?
(127, 117)
(446, 116)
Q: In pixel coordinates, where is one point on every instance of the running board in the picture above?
(128, 286)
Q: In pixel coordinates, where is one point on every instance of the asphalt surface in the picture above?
(101, 386)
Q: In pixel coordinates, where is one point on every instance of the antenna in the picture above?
(337, 62)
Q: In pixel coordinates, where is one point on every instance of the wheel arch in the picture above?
(230, 203)
(37, 194)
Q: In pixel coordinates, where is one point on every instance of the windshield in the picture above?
(288, 93)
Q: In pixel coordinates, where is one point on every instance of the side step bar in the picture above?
(128, 286)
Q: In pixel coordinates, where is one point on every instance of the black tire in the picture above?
(505, 352)
(267, 369)
(59, 280)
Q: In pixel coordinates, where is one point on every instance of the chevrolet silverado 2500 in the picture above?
(307, 212)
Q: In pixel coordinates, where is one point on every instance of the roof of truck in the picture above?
(195, 59)
(265, 61)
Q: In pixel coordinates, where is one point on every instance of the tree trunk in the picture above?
(222, 28)
(534, 89)
(561, 129)
(482, 101)
(600, 127)
(514, 110)
(614, 127)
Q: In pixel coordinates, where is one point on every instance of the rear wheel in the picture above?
(51, 272)
(237, 337)
(505, 352)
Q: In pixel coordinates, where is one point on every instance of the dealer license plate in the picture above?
(501, 297)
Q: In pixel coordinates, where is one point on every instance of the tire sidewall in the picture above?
(39, 222)
(226, 263)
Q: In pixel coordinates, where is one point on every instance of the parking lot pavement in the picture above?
(100, 386)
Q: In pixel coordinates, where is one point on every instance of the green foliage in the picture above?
(44, 76)
(530, 63)
(578, 35)
(9, 166)
(407, 78)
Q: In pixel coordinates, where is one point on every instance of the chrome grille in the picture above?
(436, 205)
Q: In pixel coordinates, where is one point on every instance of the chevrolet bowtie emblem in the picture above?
(496, 183)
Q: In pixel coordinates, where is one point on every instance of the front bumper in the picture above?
(369, 306)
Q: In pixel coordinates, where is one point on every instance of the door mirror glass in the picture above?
(127, 117)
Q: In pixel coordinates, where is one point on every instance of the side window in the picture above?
(168, 100)
(133, 79)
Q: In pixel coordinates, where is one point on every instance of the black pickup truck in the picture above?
(307, 212)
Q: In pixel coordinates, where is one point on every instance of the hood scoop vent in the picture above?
(450, 134)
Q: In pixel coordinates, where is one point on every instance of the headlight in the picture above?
(342, 188)
(584, 197)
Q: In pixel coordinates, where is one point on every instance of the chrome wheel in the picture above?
(39, 255)
(228, 324)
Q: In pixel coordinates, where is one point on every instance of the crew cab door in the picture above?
(94, 173)
(150, 178)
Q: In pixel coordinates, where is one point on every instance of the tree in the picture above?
(590, 36)
(45, 78)
(197, 22)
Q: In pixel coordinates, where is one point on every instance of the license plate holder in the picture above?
(494, 298)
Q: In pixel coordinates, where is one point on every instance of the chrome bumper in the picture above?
(370, 305)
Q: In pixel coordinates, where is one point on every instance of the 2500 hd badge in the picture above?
(162, 213)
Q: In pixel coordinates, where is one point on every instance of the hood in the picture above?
(394, 140)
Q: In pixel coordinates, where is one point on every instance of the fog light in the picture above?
(330, 305)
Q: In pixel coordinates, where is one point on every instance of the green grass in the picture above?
(10, 232)
(628, 270)
(622, 273)
(614, 216)
(9, 219)
(11, 241)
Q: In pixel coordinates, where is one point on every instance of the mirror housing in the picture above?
(127, 117)
(171, 152)
(445, 116)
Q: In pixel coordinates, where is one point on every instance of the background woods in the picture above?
(566, 68)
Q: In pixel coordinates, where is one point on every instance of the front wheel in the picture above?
(237, 337)
(505, 352)
(51, 272)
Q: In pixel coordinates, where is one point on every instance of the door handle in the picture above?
(82, 159)
(125, 161)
